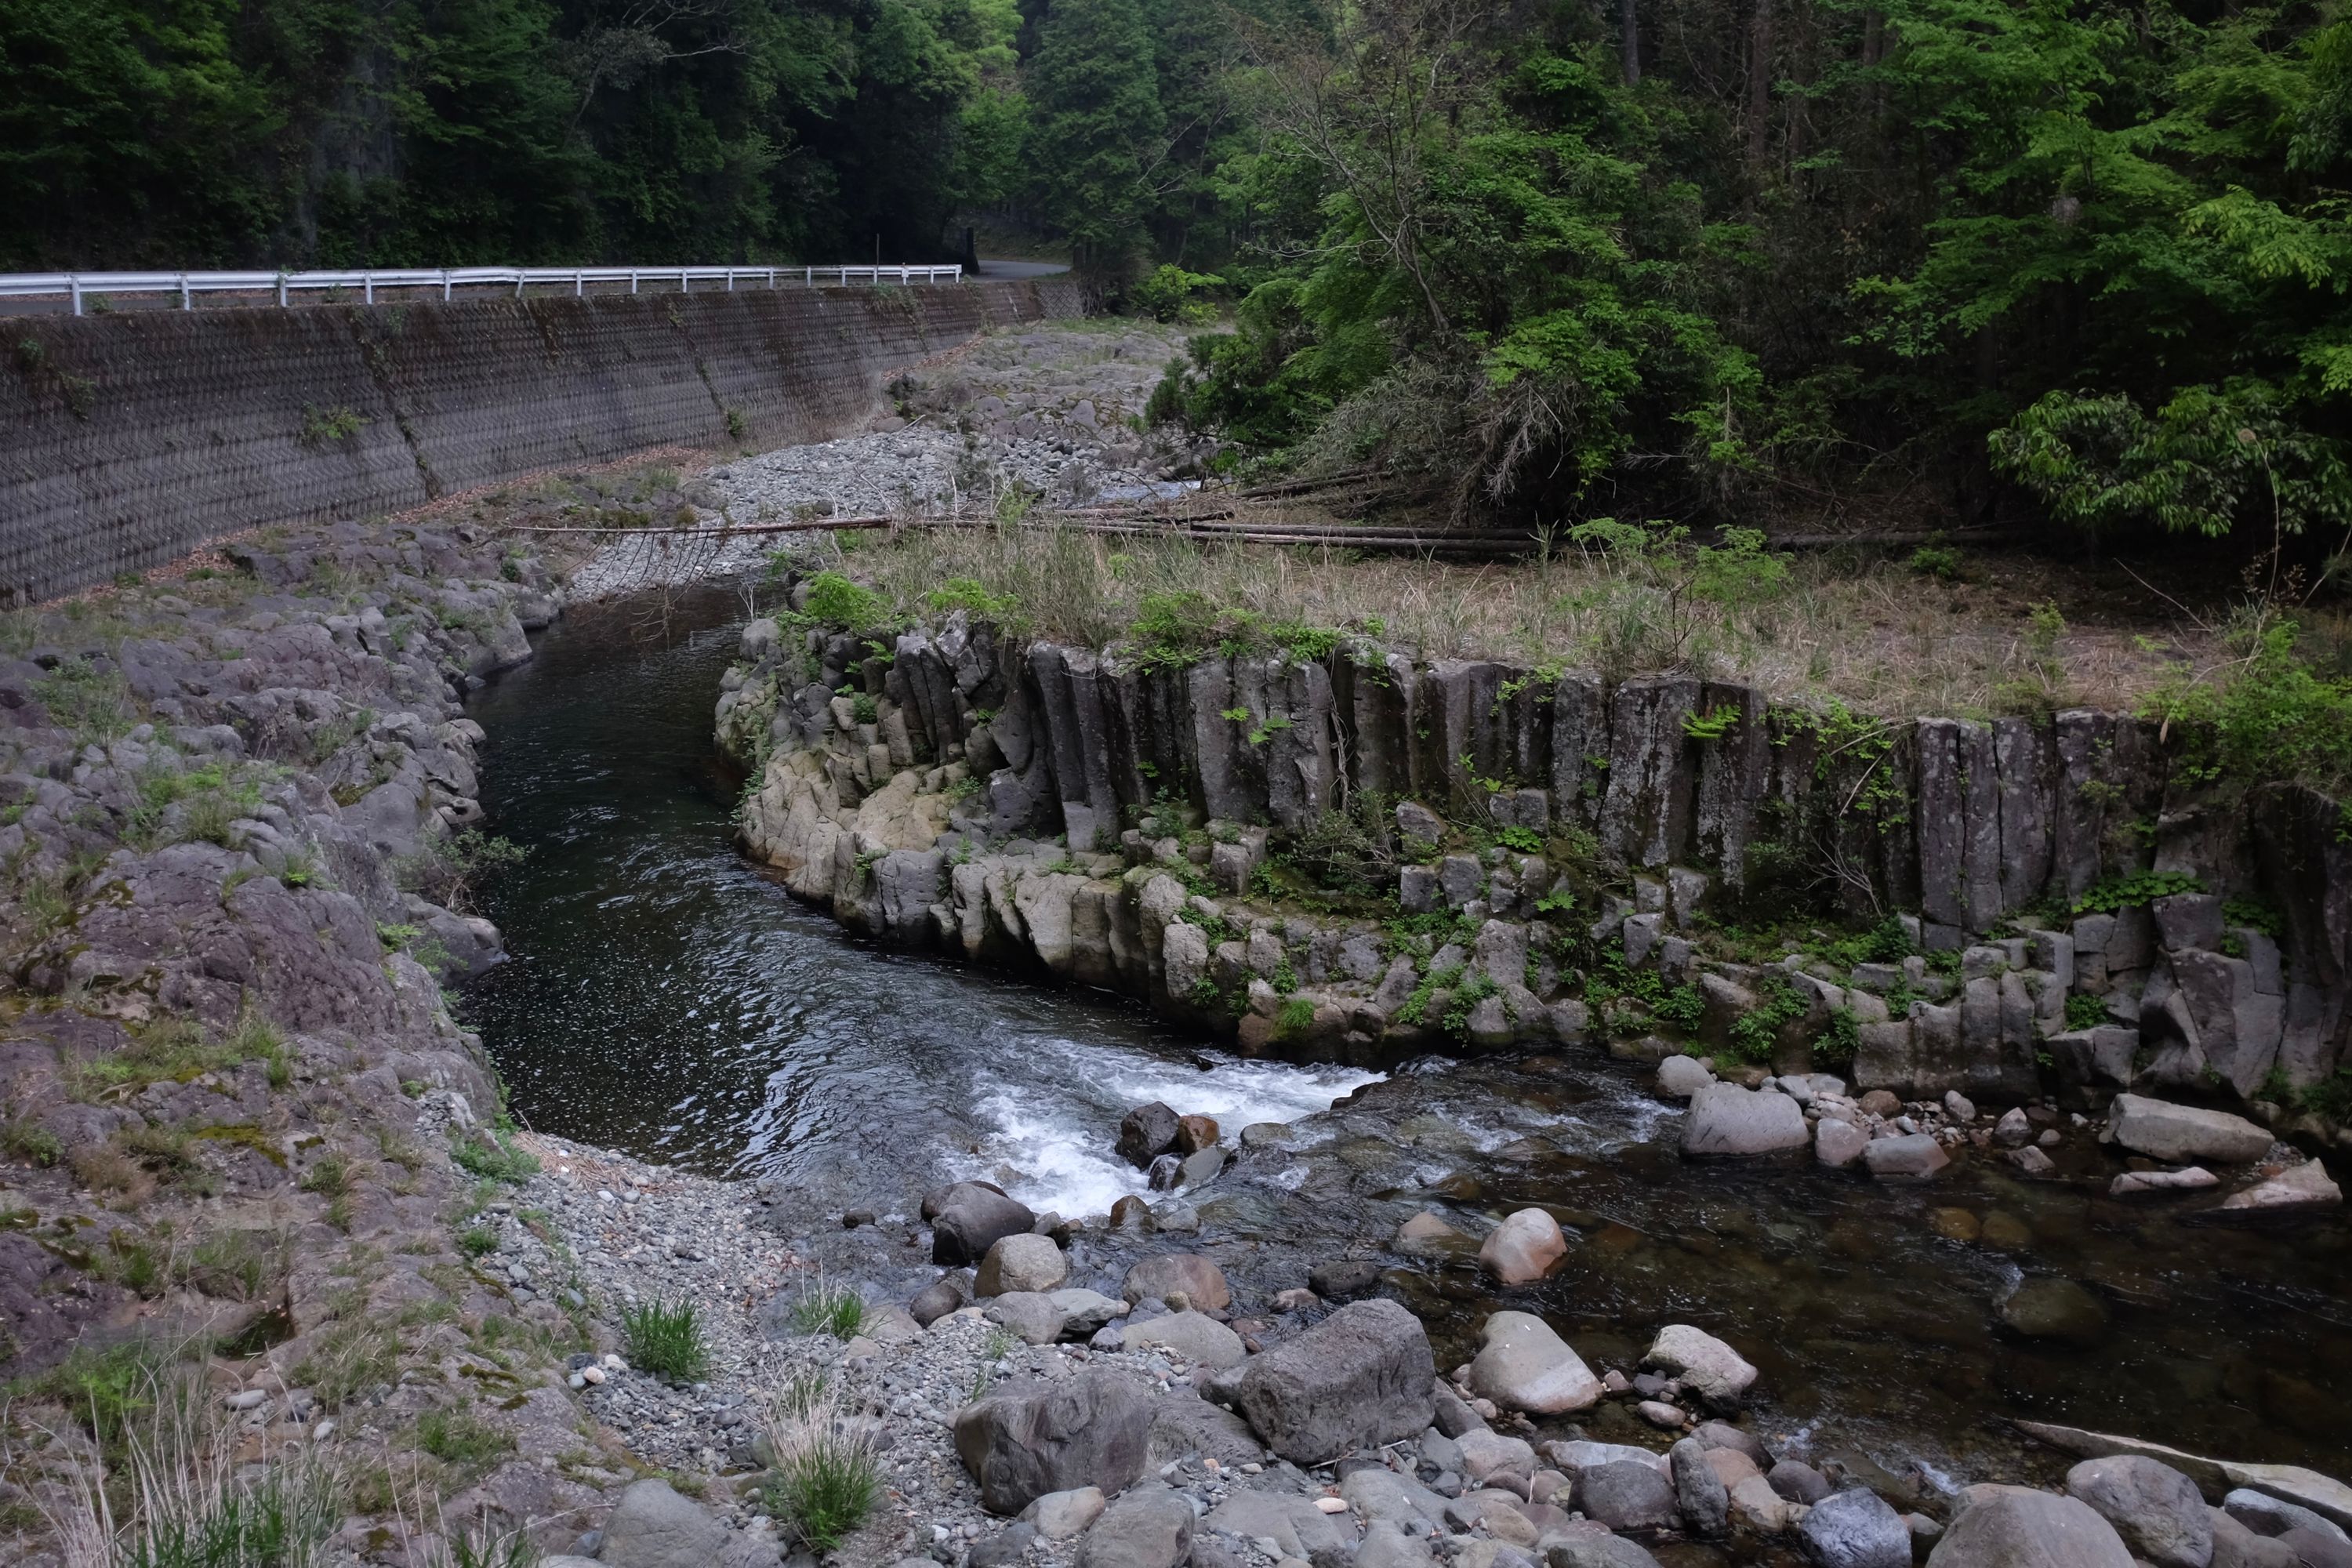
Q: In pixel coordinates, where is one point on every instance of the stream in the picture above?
(667, 999)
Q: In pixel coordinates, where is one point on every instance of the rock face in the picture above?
(1024, 1262)
(973, 1218)
(2155, 1508)
(1703, 1364)
(1092, 1431)
(1363, 1375)
(1524, 1365)
(653, 1527)
(1725, 1120)
(2017, 1527)
(1200, 1282)
(1524, 1248)
(1854, 1529)
(2182, 1133)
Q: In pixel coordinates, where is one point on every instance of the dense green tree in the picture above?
(1095, 129)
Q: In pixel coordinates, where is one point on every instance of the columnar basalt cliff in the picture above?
(134, 437)
(1112, 819)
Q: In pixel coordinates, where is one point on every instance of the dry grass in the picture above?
(1875, 632)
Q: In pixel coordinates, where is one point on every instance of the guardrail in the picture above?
(281, 287)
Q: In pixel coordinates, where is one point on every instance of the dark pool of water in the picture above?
(668, 999)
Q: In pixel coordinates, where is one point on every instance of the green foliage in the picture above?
(1711, 725)
(834, 601)
(1095, 116)
(667, 1339)
(2085, 1011)
(1835, 1046)
(1683, 1007)
(462, 1438)
(93, 704)
(1167, 294)
(2273, 718)
(477, 1241)
(1295, 1018)
(825, 1483)
(2130, 892)
(1937, 560)
(969, 595)
(491, 1154)
(322, 427)
(836, 1309)
(1756, 1034)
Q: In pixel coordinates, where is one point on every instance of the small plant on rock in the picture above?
(666, 1338)
(2085, 1012)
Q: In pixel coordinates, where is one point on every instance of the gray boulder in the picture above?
(1093, 1430)
(1033, 1317)
(1383, 1494)
(1362, 1377)
(971, 1219)
(1185, 1424)
(1058, 1516)
(1151, 1526)
(653, 1527)
(1699, 1493)
(1201, 1282)
(1726, 1120)
(1798, 1482)
(946, 1294)
(1387, 1546)
(1022, 1262)
(2270, 1516)
(2155, 1508)
(2017, 1527)
(1597, 1551)
(1627, 1497)
(1911, 1154)
(2235, 1546)
(1703, 1364)
(1854, 1529)
(1295, 1526)
(2181, 1135)
(1524, 1365)
(1147, 1133)
(1195, 1336)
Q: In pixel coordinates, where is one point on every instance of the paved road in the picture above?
(1020, 268)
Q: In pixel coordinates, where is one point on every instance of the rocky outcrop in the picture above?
(1116, 823)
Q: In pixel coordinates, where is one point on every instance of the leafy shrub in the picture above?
(1683, 1007)
(1167, 294)
(2275, 719)
(834, 600)
(2121, 893)
(1755, 1033)
(667, 1339)
(972, 596)
(1835, 1046)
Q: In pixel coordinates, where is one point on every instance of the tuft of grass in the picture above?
(476, 1241)
(826, 1478)
(667, 1339)
(462, 1438)
(835, 1310)
(492, 1156)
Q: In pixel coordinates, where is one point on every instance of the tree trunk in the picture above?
(1759, 84)
(1630, 26)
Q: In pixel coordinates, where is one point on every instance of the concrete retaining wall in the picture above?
(127, 440)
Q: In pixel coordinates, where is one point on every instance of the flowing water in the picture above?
(667, 999)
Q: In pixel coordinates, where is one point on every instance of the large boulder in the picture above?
(1627, 1497)
(970, 1218)
(1911, 1154)
(2017, 1527)
(1725, 1118)
(1147, 1133)
(2157, 1509)
(1093, 1430)
(1195, 1336)
(1200, 1282)
(2181, 1135)
(1705, 1366)
(1023, 1262)
(1185, 1423)
(653, 1527)
(1296, 1527)
(1362, 1377)
(1524, 1248)
(1524, 1365)
(1854, 1529)
(1151, 1526)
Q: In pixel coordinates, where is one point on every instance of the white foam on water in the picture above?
(1049, 1138)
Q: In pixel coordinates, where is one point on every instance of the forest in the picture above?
(1727, 260)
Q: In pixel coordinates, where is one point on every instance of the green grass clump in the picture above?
(826, 1479)
(667, 1339)
(462, 1438)
(835, 1310)
(493, 1157)
(476, 1241)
